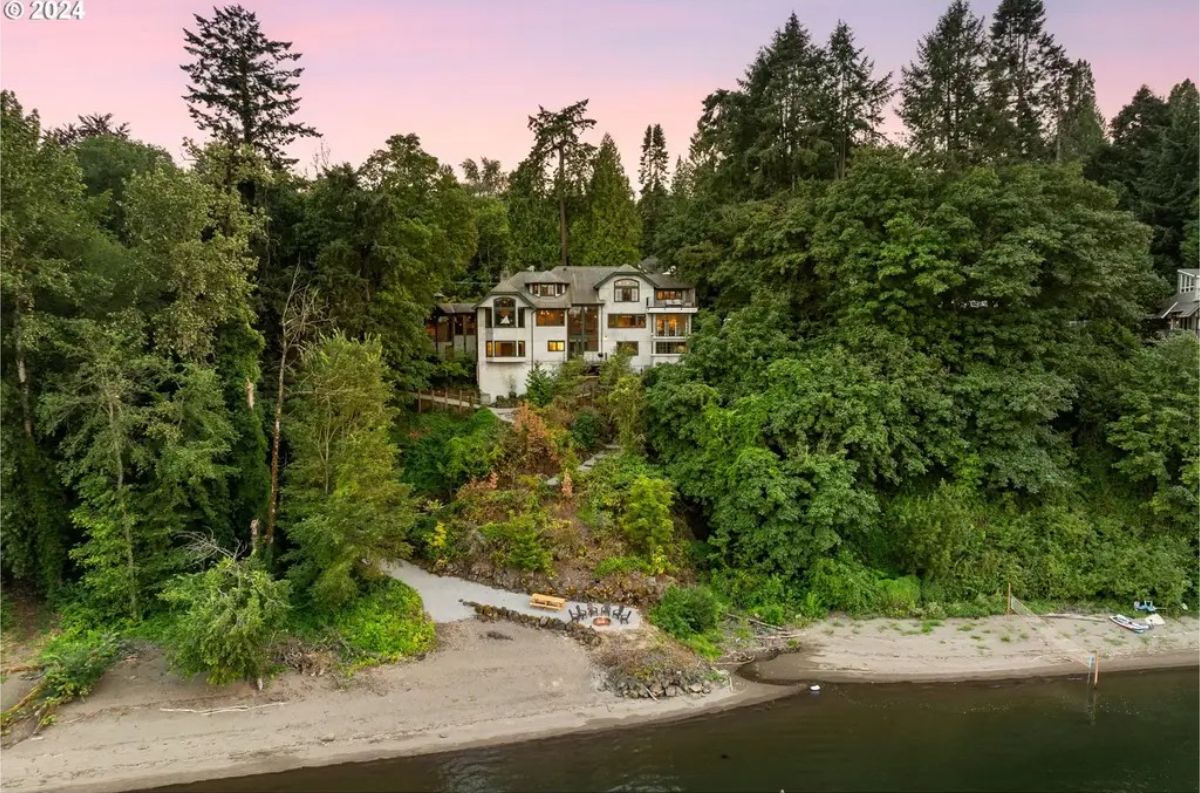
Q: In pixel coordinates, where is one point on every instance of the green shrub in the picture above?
(448, 451)
(606, 487)
(520, 543)
(684, 612)
(540, 386)
(621, 564)
(765, 597)
(227, 617)
(384, 625)
(842, 583)
(72, 663)
(898, 597)
(646, 518)
(587, 430)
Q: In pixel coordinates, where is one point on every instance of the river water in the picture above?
(1138, 732)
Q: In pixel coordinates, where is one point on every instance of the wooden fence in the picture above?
(457, 399)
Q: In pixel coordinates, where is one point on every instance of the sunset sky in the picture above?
(464, 76)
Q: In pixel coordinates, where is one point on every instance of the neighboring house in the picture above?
(451, 328)
(1182, 311)
(544, 318)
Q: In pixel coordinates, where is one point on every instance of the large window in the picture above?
(556, 345)
(670, 347)
(630, 347)
(583, 329)
(506, 349)
(552, 317)
(625, 290)
(627, 320)
(547, 290)
(506, 313)
(671, 325)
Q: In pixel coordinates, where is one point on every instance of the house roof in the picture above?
(456, 308)
(1189, 271)
(1183, 304)
(583, 283)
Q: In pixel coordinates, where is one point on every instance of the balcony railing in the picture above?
(683, 302)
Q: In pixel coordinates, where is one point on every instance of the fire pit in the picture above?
(601, 621)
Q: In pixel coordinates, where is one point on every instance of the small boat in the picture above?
(1137, 626)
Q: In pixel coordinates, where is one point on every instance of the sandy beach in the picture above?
(995, 648)
(144, 727)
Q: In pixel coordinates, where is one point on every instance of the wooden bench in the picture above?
(547, 602)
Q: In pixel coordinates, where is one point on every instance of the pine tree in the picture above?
(652, 176)
(90, 126)
(1079, 128)
(556, 146)
(855, 98)
(1151, 164)
(778, 114)
(532, 217)
(1026, 72)
(243, 84)
(943, 90)
(609, 230)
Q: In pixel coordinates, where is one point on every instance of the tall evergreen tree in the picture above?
(1151, 163)
(90, 126)
(557, 146)
(943, 90)
(652, 176)
(609, 230)
(1079, 127)
(243, 85)
(777, 116)
(855, 97)
(1026, 69)
(532, 217)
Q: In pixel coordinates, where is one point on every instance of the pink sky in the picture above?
(465, 75)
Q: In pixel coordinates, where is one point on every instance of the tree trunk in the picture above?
(562, 211)
(276, 431)
(23, 377)
(127, 529)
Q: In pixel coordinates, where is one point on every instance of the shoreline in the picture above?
(144, 728)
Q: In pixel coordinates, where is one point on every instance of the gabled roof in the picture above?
(1183, 304)
(583, 283)
(456, 308)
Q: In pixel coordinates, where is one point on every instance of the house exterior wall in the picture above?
(501, 376)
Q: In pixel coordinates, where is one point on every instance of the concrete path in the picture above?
(443, 596)
(590, 462)
(504, 414)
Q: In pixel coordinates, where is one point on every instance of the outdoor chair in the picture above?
(577, 614)
(606, 610)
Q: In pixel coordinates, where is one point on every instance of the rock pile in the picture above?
(664, 684)
(584, 634)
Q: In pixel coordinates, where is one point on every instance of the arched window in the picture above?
(625, 290)
(506, 312)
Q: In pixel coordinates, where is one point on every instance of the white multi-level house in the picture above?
(544, 318)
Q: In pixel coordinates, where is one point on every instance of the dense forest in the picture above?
(927, 368)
